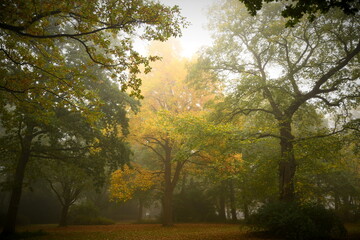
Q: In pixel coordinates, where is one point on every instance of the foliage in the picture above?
(294, 221)
(33, 31)
(158, 127)
(129, 181)
(295, 10)
(193, 204)
(87, 214)
(64, 126)
(329, 173)
(84, 220)
(311, 80)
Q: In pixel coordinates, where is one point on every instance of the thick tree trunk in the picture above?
(64, 215)
(10, 223)
(287, 165)
(168, 209)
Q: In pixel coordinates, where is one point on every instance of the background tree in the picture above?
(132, 182)
(68, 182)
(167, 97)
(295, 10)
(249, 49)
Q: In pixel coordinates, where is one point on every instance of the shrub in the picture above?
(83, 220)
(192, 205)
(300, 222)
(87, 214)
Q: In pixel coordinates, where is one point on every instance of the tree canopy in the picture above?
(280, 73)
(295, 10)
(32, 33)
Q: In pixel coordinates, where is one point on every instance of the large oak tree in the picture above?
(277, 72)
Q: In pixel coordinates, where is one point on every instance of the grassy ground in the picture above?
(151, 232)
(142, 232)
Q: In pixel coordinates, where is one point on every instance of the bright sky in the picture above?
(195, 35)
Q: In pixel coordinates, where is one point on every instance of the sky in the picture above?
(195, 35)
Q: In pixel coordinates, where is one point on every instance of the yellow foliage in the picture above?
(127, 182)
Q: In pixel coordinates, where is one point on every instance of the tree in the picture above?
(154, 126)
(329, 174)
(295, 10)
(131, 182)
(67, 181)
(317, 66)
(42, 125)
(33, 33)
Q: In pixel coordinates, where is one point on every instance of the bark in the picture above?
(10, 222)
(168, 209)
(140, 210)
(232, 201)
(222, 210)
(336, 201)
(64, 215)
(246, 211)
(287, 165)
(168, 193)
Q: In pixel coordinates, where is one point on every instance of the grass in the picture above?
(142, 232)
(151, 232)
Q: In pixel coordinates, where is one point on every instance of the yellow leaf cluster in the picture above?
(127, 182)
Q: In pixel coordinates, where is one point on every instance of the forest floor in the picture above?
(140, 232)
(150, 232)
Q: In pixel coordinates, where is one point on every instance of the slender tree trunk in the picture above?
(287, 165)
(168, 193)
(232, 201)
(10, 223)
(64, 215)
(222, 210)
(336, 201)
(246, 211)
(140, 210)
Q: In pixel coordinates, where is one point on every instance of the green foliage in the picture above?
(87, 214)
(32, 33)
(296, 9)
(311, 62)
(300, 222)
(193, 205)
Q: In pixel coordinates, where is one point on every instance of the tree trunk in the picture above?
(10, 223)
(168, 209)
(222, 213)
(64, 215)
(232, 201)
(246, 211)
(140, 210)
(336, 201)
(168, 193)
(287, 165)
